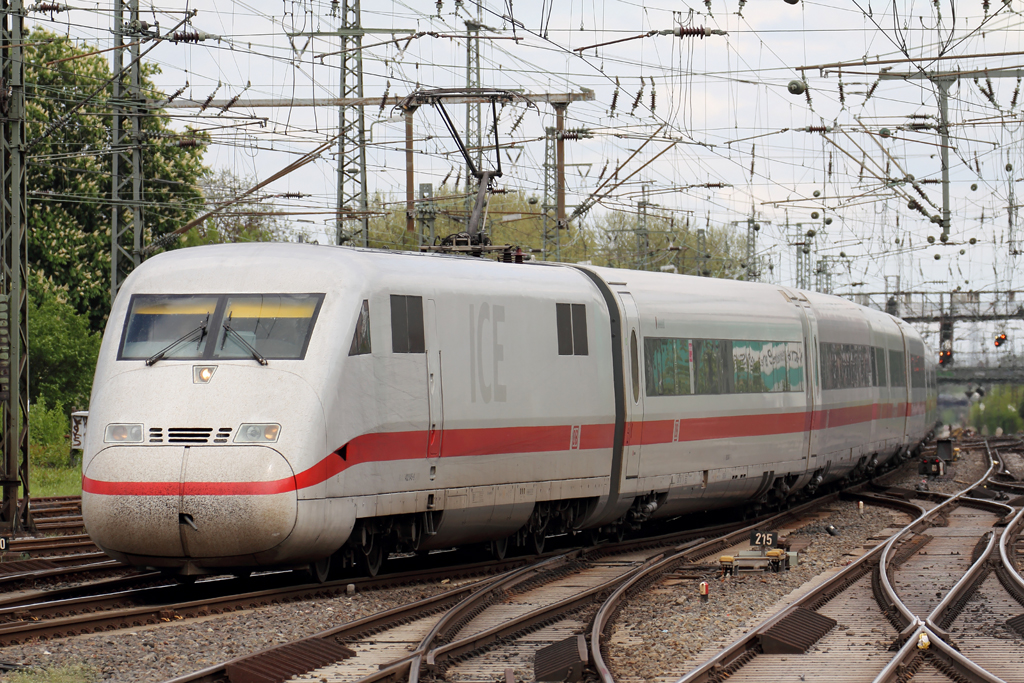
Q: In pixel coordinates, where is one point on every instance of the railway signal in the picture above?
(946, 357)
(1000, 339)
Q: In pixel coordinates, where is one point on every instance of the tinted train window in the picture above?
(846, 366)
(225, 326)
(407, 324)
(667, 365)
(571, 321)
(275, 325)
(917, 380)
(361, 337)
(879, 367)
(156, 322)
(897, 369)
(759, 367)
(678, 367)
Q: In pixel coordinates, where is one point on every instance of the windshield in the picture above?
(274, 325)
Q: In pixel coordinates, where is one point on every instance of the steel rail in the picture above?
(735, 654)
(611, 605)
(916, 526)
(1010, 575)
(909, 657)
(477, 640)
(16, 632)
(344, 632)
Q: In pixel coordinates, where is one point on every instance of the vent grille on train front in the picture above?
(189, 434)
(156, 435)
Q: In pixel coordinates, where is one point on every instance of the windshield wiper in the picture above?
(186, 337)
(255, 354)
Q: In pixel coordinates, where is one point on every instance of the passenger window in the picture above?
(361, 338)
(897, 369)
(407, 324)
(571, 321)
(634, 360)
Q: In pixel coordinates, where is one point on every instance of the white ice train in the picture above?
(293, 405)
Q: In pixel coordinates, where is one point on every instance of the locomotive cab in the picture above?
(201, 410)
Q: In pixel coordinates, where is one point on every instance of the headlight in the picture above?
(257, 433)
(123, 433)
(202, 374)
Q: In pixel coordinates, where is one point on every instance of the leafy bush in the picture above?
(48, 426)
(63, 351)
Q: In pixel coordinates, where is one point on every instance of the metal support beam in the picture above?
(943, 80)
(474, 130)
(426, 212)
(643, 238)
(351, 173)
(126, 224)
(752, 261)
(554, 183)
(551, 239)
(410, 193)
(13, 291)
(389, 101)
(702, 252)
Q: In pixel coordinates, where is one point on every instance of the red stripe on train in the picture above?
(380, 447)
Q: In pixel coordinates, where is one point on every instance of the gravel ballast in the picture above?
(658, 634)
(157, 653)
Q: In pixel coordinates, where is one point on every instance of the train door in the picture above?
(435, 403)
(815, 409)
(633, 384)
(902, 396)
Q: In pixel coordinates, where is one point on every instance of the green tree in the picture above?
(69, 172)
(63, 351)
(1002, 409)
(252, 220)
(609, 238)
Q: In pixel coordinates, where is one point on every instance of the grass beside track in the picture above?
(51, 472)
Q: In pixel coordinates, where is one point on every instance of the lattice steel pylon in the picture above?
(126, 223)
(352, 194)
(474, 125)
(14, 254)
(643, 236)
(552, 234)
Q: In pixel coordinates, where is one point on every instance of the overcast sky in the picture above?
(720, 102)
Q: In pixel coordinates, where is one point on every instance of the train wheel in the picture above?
(373, 560)
(321, 569)
(499, 548)
(537, 540)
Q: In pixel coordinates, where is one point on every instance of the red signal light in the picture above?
(1000, 339)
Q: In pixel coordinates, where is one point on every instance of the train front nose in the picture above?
(171, 506)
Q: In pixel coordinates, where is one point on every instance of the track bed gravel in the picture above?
(666, 632)
(156, 653)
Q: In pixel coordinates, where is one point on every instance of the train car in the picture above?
(270, 405)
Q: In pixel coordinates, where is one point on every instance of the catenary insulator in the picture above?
(696, 31)
(192, 36)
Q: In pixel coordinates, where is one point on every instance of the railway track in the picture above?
(499, 625)
(486, 626)
(930, 604)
